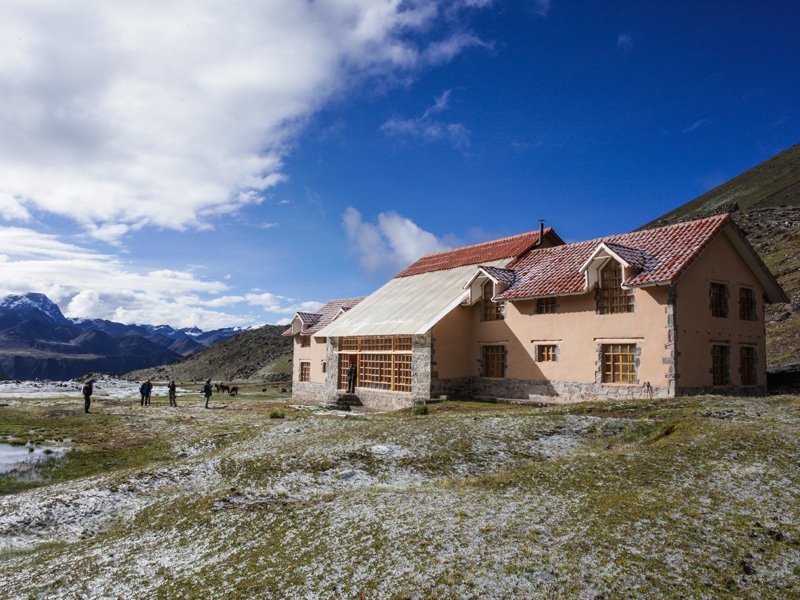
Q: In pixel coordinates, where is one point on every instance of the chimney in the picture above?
(541, 234)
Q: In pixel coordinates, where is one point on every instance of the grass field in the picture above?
(260, 498)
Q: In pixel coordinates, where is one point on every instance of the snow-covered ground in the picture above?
(105, 386)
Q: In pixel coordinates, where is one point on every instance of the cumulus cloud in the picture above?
(428, 128)
(121, 115)
(391, 244)
(89, 284)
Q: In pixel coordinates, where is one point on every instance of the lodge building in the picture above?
(661, 312)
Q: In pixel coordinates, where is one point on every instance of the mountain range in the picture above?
(38, 342)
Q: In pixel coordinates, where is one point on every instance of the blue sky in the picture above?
(215, 164)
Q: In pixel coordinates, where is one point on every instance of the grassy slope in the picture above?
(691, 498)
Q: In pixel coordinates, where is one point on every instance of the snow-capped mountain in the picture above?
(38, 341)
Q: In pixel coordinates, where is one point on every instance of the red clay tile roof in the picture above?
(508, 247)
(325, 315)
(663, 255)
(500, 275)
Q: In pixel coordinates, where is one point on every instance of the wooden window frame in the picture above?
(383, 362)
(718, 298)
(619, 363)
(491, 311)
(305, 341)
(546, 353)
(547, 305)
(494, 361)
(305, 371)
(612, 297)
(720, 365)
(747, 366)
(747, 304)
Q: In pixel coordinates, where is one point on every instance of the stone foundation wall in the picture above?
(381, 400)
(541, 390)
(313, 393)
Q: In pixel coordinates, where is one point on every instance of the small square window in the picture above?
(546, 305)
(546, 353)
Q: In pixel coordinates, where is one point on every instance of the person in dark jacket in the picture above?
(351, 379)
(88, 389)
(207, 391)
(145, 391)
(172, 394)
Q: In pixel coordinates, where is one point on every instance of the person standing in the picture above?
(351, 379)
(88, 389)
(207, 391)
(172, 394)
(145, 391)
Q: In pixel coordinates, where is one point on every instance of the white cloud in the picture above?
(99, 285)
(428, 128)
(125, 115)
(390, 245)
(625, 41)
(697, 125)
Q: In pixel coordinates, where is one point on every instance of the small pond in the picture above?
(15, 457)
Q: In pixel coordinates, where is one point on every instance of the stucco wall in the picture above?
(314, 354)
(697, 330)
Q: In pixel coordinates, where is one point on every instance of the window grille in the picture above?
(747, 361)
(494, 361)
(619, 363)
(720, 361)
(719, 300)
(384, 362)
(492, 311)
(546, 353)
(613, 298)
(747, 304)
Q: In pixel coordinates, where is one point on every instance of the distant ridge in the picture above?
(770, 184)
(38, 342)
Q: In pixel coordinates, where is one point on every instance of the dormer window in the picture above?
(492, 311)
(613, 298)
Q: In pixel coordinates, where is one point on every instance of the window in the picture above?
(747, 365)
(613, 298)
(324, 366)
(494, 361)
(545, 305)
(719, 300)
(384, 362)
(305, 341)
(305, 371)
(546, 353)
(492, 311)
(619, 363)
(720, 361)
(747, 304)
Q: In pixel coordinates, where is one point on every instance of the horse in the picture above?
(234, 390)
(224, 388)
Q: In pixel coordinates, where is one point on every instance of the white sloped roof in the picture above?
(407, 305)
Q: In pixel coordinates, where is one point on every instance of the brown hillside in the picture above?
(261, 354)
(765, 202)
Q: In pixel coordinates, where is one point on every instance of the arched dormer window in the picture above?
(612, 297)
(492, 311)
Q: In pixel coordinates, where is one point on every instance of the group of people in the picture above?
(146, 389)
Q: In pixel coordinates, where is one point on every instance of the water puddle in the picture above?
(25, 457)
